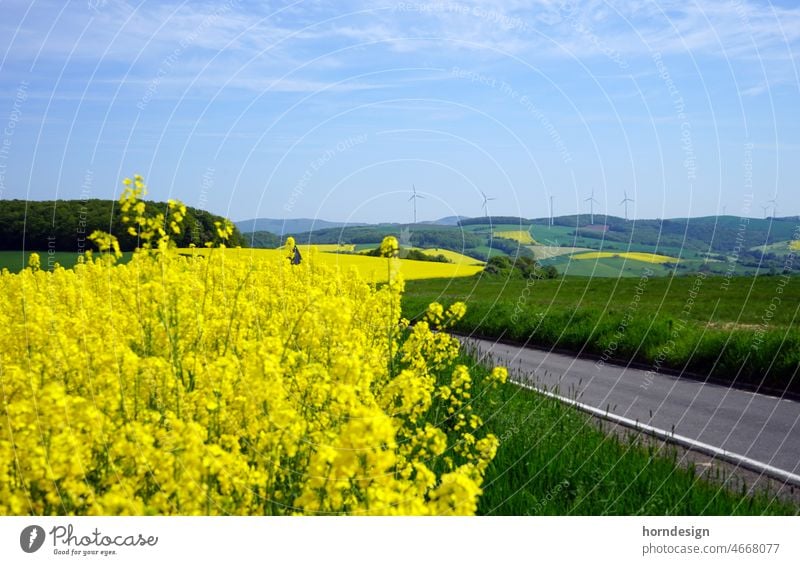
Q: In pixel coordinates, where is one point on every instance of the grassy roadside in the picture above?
(739, 329)
(553, 460)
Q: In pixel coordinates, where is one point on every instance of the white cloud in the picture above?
(253, 43)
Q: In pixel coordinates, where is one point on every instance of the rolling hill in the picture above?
(289, 225)
(717, 244)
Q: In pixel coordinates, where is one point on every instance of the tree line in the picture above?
(65, 225)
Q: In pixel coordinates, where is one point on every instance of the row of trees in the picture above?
(65, 225)
(525, 267)
(413, 254)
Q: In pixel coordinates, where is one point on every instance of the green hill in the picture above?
(715, 244)
(65, 225)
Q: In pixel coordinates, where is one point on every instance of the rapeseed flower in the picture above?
(218, 384)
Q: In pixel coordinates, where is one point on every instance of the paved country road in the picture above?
(763, 428)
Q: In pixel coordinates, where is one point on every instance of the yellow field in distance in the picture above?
(795, 244)
(371, 268)
(633, 255)
(522, 236)
(454, 256)
(328, 247)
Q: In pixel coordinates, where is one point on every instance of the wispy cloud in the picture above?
(252, 38)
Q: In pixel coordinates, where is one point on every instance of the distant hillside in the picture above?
(263, 240)
(65, 225)
(447, 221)
(493, 220)
(715, 243)
(287, 226)
(720, 234)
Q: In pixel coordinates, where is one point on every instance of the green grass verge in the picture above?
(740, 330)
(15, 261)
(553, 460)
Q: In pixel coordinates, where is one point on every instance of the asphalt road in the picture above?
(760, 427)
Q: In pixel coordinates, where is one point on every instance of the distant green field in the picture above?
(741, 328)
(15, 261)
(607, 267)
(618, 267)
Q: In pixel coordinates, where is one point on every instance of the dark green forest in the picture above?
(65, 225)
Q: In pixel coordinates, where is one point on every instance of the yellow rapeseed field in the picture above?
(229, 383)
(632, 255)
(795, 245)
(372, 269)
(522, 236)
(329, 247)
(454, 256)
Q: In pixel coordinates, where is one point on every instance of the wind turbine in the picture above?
(486, 203)
(774, 207)
(413, 201)
(591, 202)
(551, 211)
(765, 208)
(625, 202)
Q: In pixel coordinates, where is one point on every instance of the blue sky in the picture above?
(334, 109)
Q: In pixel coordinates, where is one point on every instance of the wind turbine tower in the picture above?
(625, 203)
(774, 207)
(591, 202)
(413, 201)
